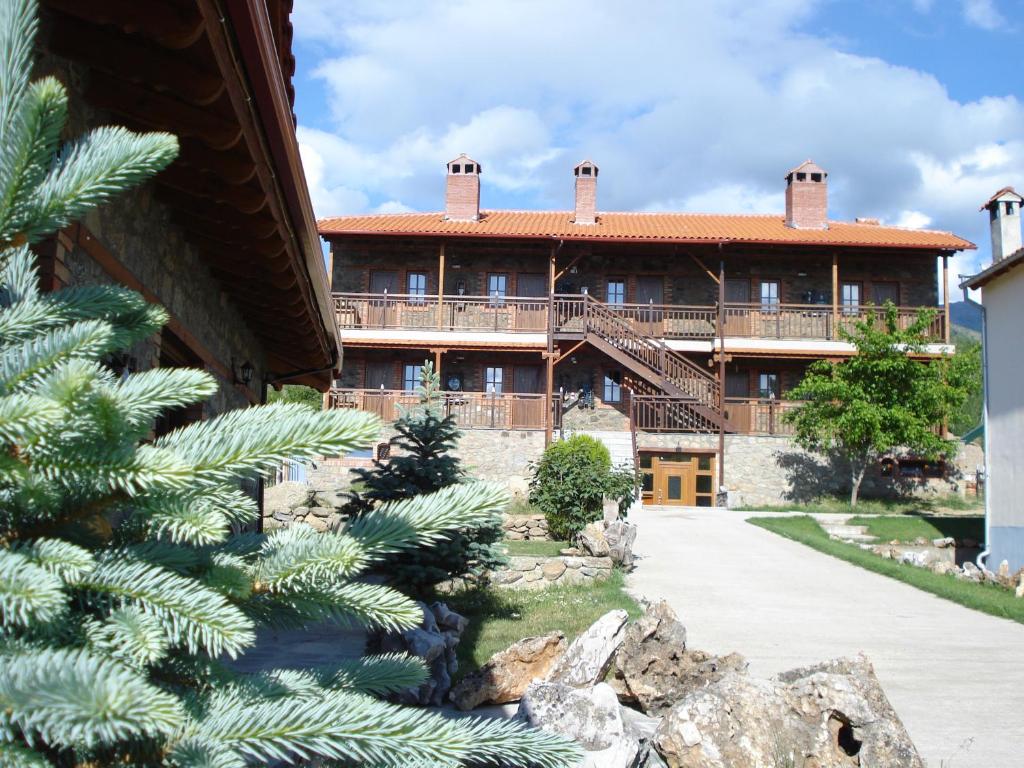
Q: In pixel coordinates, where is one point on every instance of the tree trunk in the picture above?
(856, 478)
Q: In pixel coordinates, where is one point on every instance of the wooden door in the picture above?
(737, 319)
(532, 316)
(883, 292)
(674, 483)
(381, 312)
(377, 399)
(678, 479)
(650, 290)
(737, 406)
(527, 412)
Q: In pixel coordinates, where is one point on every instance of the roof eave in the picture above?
(995, 270)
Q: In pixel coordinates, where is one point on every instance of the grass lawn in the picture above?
(535, 548)
(910, 527)
(951, 503)
(981, 597)
(500, 617)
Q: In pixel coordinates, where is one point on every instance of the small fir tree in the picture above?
(422, 462)
(880, 400)
(122, 589)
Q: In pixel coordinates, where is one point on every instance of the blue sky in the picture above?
(915, 107)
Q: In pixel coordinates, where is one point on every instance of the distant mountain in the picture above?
(967, 316)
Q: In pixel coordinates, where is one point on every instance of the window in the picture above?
(851, 298)
(416, 286)
(497, 288)
(492, 380)
(612, 387)
(769, 295)
(456, 168)
(768, 385)
(616, 291)
(411, 376)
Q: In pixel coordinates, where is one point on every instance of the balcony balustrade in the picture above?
(514, 314)
(472, 410)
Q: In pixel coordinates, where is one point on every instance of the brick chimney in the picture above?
(807, 197)
(462, 190)
(1004, 219)
(586, 193)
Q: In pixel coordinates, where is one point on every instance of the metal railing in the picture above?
(452, 313)
(471, 410)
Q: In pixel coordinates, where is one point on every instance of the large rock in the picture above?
(507, 674)
(620, 536)
(285, 497)
(653, 667)
(590, 716)
(833, 715)
(434, 641)
(590, 655)
(591, 540)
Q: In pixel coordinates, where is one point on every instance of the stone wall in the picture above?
(541, 572)
(763, 470)
(526, 527)
(138, 231)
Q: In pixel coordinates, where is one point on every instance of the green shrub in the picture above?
(571, 481)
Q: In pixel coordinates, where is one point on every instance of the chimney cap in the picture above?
(807, 166)
(463, 164)
(1006, 193)
(585, 168)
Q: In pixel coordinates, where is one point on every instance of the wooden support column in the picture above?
(721, 373)
(945, 297)
(835, 295)
(440, 288)
(550, 355)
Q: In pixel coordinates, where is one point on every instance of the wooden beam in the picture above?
(440, 288)
(175, 25)
(562, 355)
(161, 111)
(700, 264)
(243, 197)
(136, 60)
(549, 379)
(945, 297)
(258, 226)
(567, 267)
(233, 166)
(259, 252)
(835, 295)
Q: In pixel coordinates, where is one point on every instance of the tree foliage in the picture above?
(422, 461)
(123, 591)
(881, 400)
(296, 393)
(571, 481)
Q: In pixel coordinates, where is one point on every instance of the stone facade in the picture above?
(526, 527)
(541, 572)
(763, 470)
(137, 231)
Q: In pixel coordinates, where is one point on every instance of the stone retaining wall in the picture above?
(541, 572)
(526, 527)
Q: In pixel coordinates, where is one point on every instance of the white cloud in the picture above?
(683, 104)
(983, 14)
(913, 220)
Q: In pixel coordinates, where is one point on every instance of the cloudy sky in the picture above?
(915, 107)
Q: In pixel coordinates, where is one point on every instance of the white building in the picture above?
(1002, 291)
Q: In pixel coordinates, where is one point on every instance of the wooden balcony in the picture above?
(759, 416)
(472, 410)
(515, 314)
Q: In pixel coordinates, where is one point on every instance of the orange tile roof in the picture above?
(642, 227)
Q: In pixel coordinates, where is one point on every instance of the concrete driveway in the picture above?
(955, 676)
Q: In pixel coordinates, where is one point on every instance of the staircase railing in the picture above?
(687, 376)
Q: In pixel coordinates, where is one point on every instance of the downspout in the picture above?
(983, 555)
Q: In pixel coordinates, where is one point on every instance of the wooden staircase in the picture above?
(695, 394)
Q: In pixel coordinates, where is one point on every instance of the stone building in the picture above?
(225, 238)
(674, 337)
(1002, 296)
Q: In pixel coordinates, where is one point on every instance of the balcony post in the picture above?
(440, 287)
(945, 297)
(835, 296)
(549, 357)
(721, 372)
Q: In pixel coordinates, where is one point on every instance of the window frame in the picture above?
(418, 296)
(770, 306)
(608, 294)
(611, 390)
(496, 299)
(775, 392)
(851, 307)
(418, 368)
(494, 376)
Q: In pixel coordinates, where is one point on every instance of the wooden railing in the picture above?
(472, 410)
(759, 416)
(663, 321)
(812, 321)
(694, 381)
(665, 413)
(453, 313)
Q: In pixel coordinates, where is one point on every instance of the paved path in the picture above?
(955, 676)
